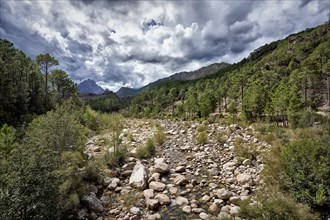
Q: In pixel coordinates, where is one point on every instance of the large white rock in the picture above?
(139, 176)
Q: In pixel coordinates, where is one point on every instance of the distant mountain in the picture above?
(196, 74)
(124, 92)
(89, 86)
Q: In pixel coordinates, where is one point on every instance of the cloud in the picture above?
(132, 43)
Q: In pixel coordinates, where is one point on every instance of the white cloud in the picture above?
(132, 43)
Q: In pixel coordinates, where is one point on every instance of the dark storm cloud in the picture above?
(130, 43)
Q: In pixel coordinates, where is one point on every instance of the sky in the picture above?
(131, 43)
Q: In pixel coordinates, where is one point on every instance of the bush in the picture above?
(276, 206)
(146, 151)
(201, 137)
(245, 151)
(220, 137)
(159, 136)
(306, 171)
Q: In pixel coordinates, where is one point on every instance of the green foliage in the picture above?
(108, 102)
(62, 85)
(306, 165)
(7, 139)
(221, 137)
(42, 177)
(59, 130)
(202, 138)
(276, 206)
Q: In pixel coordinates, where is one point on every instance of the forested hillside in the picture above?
(283, 81)
(29, 88)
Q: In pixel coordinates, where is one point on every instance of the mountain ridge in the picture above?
(125, 92)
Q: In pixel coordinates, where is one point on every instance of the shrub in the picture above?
(276, 206)
(220, 137)
(146, 151)
(7, 139)
(306, 171)
(245, 151)
(201, 137)
(159, 136)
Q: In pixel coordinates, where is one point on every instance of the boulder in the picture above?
(181, 200)
(162, 168)
(224, 194)
(224, 216)
(139, 176)
(181, 180)
(186, 209)
(163, 199)
(157, 186)
(213, 208)
(148, 193)
(135, 211)
(92, 203)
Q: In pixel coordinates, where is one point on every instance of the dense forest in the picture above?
(282, 90)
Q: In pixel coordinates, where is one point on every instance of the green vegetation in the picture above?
(41, 175)
(201, 135)
(276, 206)
(148, 150)
(24, 90)
(159, 135)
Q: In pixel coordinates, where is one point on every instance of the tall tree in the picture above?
(61, 82)
(46, 61)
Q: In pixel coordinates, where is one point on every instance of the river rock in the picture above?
(243, 178)
(135, 211)
(203, 215)
(213, 208)
(235, 210)
(181, 200)
(163, 199)
(157, 186)
(93, 203)
(162, 168)
(139, 176)
(152, 203)
(181, 180)
(148, 193)
(114, 183)
(224, 216)
(180, 169)
(186, 209)
(223, 194)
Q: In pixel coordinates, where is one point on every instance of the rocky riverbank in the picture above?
(185, 180)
